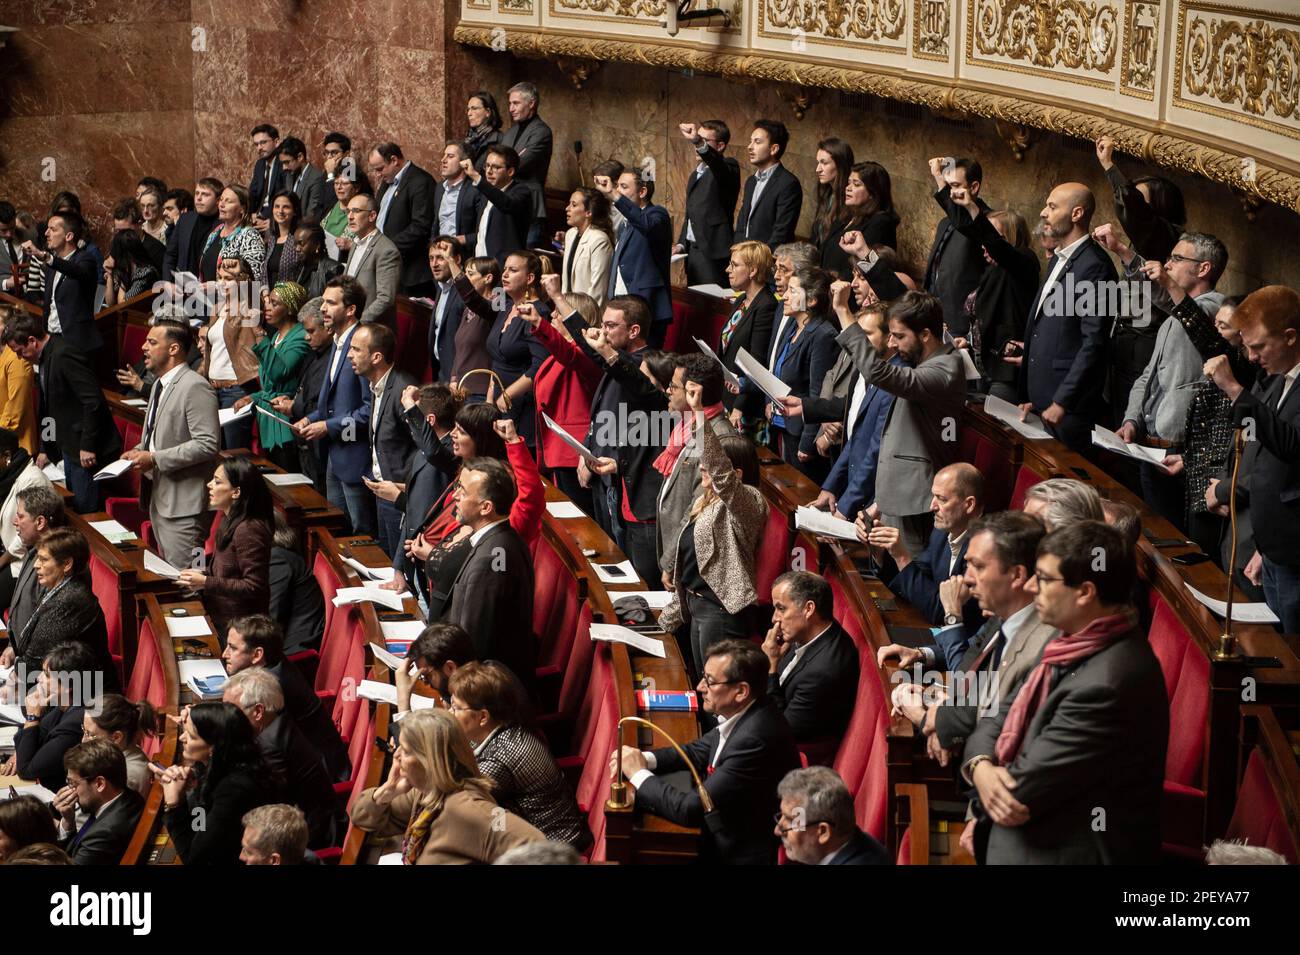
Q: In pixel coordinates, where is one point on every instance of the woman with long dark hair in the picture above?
(834, 163)
(474, 283)
(239, 582)
(128, 271)
(516, 355)
(484, 126)
(282, 255)
(588, 245)
(869, 209)
(224, 775)
(124, 724)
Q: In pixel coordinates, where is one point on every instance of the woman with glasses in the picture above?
(750, 326)
(484, 121)
(234, 235)
(339, 237)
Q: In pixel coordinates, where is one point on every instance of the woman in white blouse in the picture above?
(17, 473)
(229, 362)
(588, 245)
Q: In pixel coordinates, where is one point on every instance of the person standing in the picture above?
(532, 139)
(406, 213)
(711, 193)
(71, 279)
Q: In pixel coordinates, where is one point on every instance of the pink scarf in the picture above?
(677, 440)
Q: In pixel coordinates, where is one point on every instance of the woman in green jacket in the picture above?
(281, 351)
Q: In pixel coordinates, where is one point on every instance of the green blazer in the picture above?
(278, 371)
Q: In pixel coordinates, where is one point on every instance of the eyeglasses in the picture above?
(333, 152)
(779, 819)
(1174, 257)
(711, 683)
(1048, 579)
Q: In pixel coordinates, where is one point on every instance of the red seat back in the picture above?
(147, 681)
(329, 588)
(860, 760)
(555, 608)
(579, 671)
(993, 462)
(1259, 818)
(336, 650)
(107, 588)
(347, 702)
(133, 337)
(1025, 479)
(773, 557)
(1187, 683)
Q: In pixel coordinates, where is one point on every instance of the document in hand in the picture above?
(823, 524)
(726, 372)
(757, 372)
(227, 415)
(270, 414)
(570, 440)
(369, 573)
(1009, 415)
(616, 634)
(156, 565)
(109, 471)
(356, 595)
(1109, 440)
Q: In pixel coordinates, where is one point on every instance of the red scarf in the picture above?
(667, 459)
(1067, 648)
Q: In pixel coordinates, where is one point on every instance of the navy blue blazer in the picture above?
(469, 205)
(776, 214)
(918, 582)
(642, 256)
(260, 193)
(180, 237)
(862, 849)
(853, 478)
(344, 405)
(78, 278)
(808, 359)
(516, 354)
(442, 338)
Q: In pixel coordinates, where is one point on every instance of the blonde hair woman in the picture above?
(750, 325)
(436, 800)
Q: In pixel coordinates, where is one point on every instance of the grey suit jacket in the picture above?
(379, 272)
(920, 434)
(26, 595)
(676, 496)
(310, 188)
(186, 439)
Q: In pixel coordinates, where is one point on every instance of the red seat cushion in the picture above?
(993, 461)
(1187, 683)
(133, 337)
(1025, 479)
(860, 760)
(1259, 818)
(146, 681)
(773, 552)
(107, 588)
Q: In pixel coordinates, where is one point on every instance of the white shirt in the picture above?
(725, 727)
(1010, 627)
(163, 384)
(54, 326)
(447, 210)
(359, 247)
(954, 545)
(1060, 260)
(479, 534)
(388, 196)
(440, 310)
(339, 351)
(799, 651)
(480, 246)
(855, 408)
(220, 367)
(760, 183)
(377, 391)
(1286, 384)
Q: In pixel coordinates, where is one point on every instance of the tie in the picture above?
(76, 840)
(932, 273)
(151, 419)
(994, 649)
(618, 258)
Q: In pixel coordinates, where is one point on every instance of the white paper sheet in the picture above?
(613, 633)
(624, 573)
(12, 714)
(390, 660)
(191, 626)
(715, 290)
(112, 531)
(211, 672)
(570, 440)
(655, 599)
(726, 372)
(389, 858)
(972, 373)
(156, 565)
(824, 524)
(271, 414)
(401, 629)
(380, 574)
(677, 257)
(379, 692)
(356, 595)
(757, 372)
(54, 471)
(288, 480)
(1241, 612)
(1105, 438)
(564, 510)
(136, 402)
(227, 415)
(1009, 415)
(120, 466)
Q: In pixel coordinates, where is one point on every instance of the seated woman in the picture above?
(716, 552)
(69, 609)
(238, 583)
(229, 362)
(24, 821)
(223, 774)
(124, 724)
(486, 699)
(54, 713)
(437, 801)
(281, 349)
(17, 472)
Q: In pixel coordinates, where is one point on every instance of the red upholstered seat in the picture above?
(361, 757)
(773, 553)
(336, 655)
(593, 785)
(329, 584)
(1259, 818)
(905, 848)
(108, 592)
(555, 619)
(579, 669)
(133, 337)
(860, 760)
(993, 462)
(1025, 479)
(147, 681)
(570, 730)
(347, 701)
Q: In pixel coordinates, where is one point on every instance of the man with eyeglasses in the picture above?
(503, 223)
(1157, 405)
(1070, 769)
(374, 261)
(741, 762)
(337, 149)
(817, 824)
(437, 653)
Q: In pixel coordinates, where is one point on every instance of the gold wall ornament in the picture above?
(651, 9)
(1251, 64)
(800, 98)
(834, 19)
(578, 70)
(516, 6)
(1140, 49)
(1018, 138)
(1049, 34)
(931, 26)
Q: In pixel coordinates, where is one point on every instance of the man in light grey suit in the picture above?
(374, 261)
(920, 435)
(306, 181)
(179, 444)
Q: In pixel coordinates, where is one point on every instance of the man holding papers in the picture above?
(178, 446)
(75, 422)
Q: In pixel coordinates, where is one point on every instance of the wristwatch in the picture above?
(951, 619)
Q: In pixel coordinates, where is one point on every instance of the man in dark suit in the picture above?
(711, 192)
(71, 279)
(304, 180)
(1063, 369)
(405, 213)
(1071, 768)
(341, 419)
(492, 594)
(39, 508)
(185, 240)
(430, 418)
(643, 250)
(773, 195)
(448, 306)
(818, 824)
(96, 772)
(813, 664)
(532, 139)
(957, 499)
(371, 353)
(257, 693)
(456, 203)
(1269, 320)
(504, 221)
(740, 762)
(84, 434)
(956, 262)
(303, 401)
(268, 174)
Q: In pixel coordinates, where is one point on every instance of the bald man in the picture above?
(957, 498)
(1063, 368)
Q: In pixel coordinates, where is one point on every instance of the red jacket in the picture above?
(563, 388)
(525, 513)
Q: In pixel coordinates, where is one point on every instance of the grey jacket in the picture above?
(677, 494)
(920, 434)
(186, 439)
(1161, 395)
(379, 272)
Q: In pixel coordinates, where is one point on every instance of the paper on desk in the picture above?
(207, 678)
(356, 595)
(1105, 438)
(369, 573)
(227, 415)
(390, 660)
(112, 531)
(715, 290)
(135, 402)
(563, 510)
(401, 629)
(120, 466)
(823, 524)
(187, 626)
(288, 480)
(655, 599)
(54, 471)
(726, 372)
(1241, 612)
(389, 858)
(570, 440)
(40, 792)
(757, 372)
(1009, 415)
(620, 573)
(156, 565)
(613, 633)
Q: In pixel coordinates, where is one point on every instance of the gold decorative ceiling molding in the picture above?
(1225, 104)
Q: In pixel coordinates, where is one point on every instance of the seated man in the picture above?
(817, 824)
(275, 834)
(258, 695)
(1071, 768)
(957, 499)
(813, 664)
(1059, 502)
(257, 641)
(741, 762)
(97, 785)
(437, 653)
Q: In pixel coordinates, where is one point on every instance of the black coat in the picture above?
(307, 786)
(296, 601)
(260, 192)
(880, 228)
(441, 342)
(109, 833)
(754, 334)
(1271, 469)
(774, 219)
(512, 212)
(710, 204)
(469, 205)
(70, 614)
(862, 849)
(313, 374)
(410, 217)
(219, 839)
(70, 394)
(39, 749)
(391, 436)
(77, 281)
(317, 725)
(180, 243)
(818, 694)
(636, 458)
(955, 265)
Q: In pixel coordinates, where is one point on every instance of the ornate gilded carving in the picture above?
(516, 6)
(931, 25)
(800, 98)
(578, 70)
(839, 19)
(1137, 69)
(1018, 138)
(1075, 34)
(1254, 65)
(619, 8)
